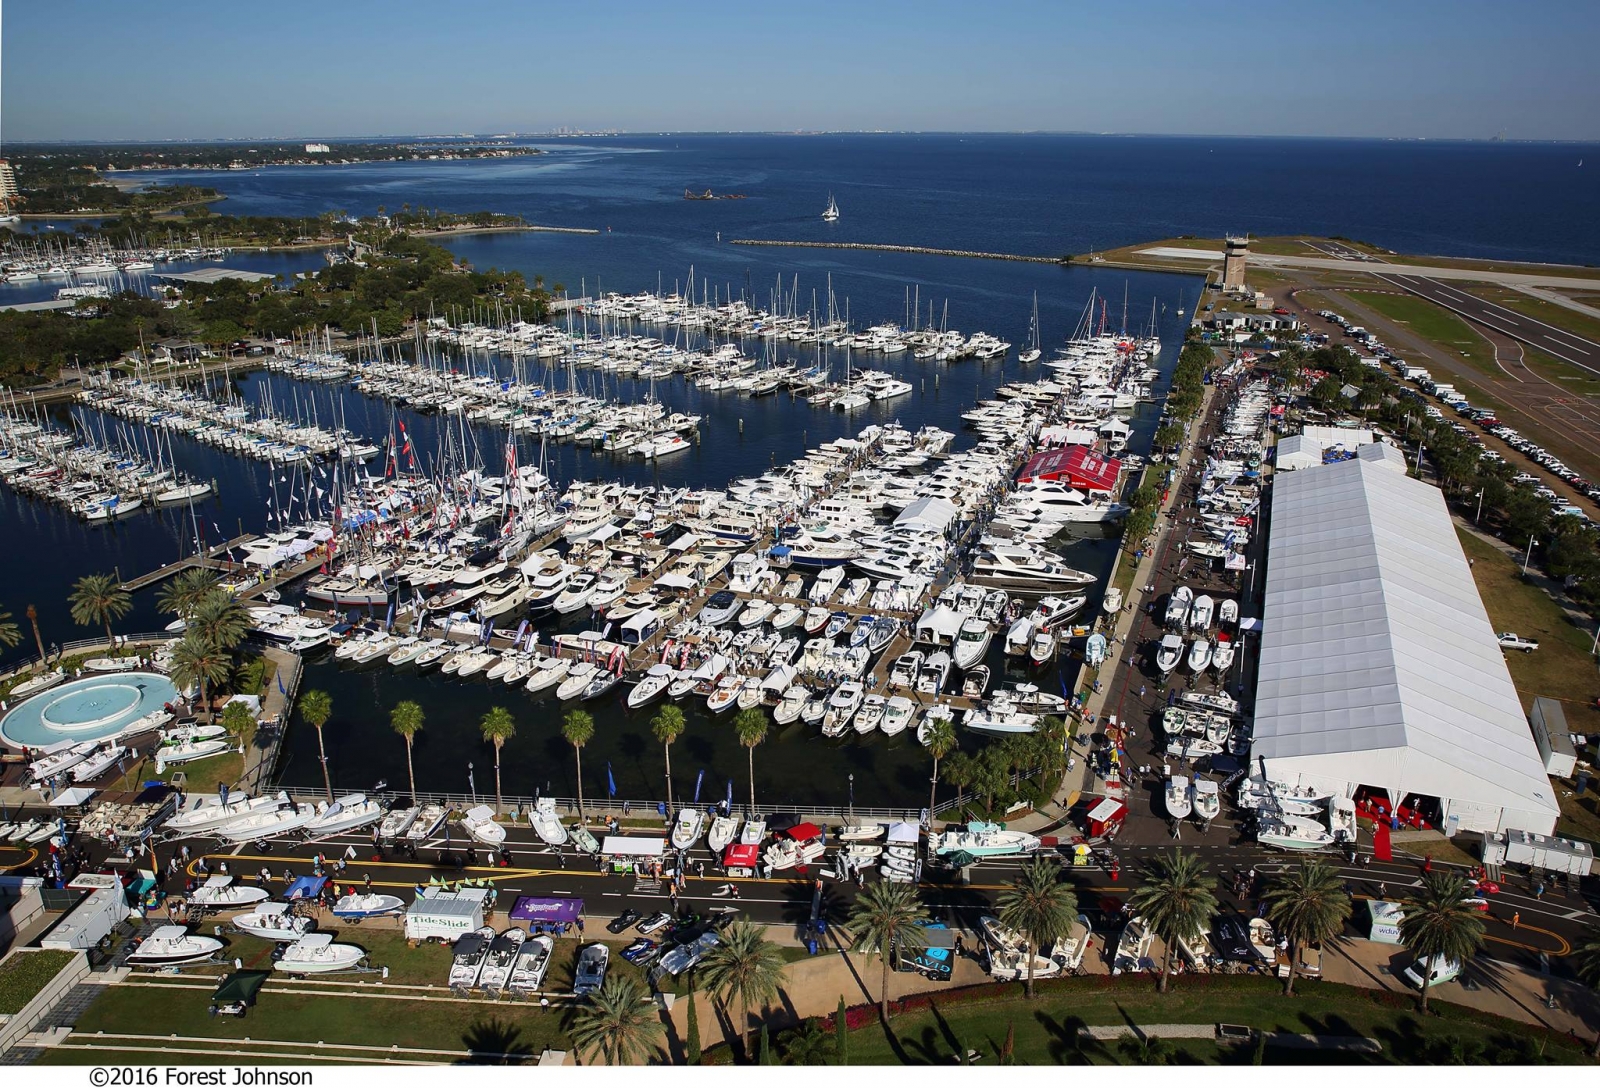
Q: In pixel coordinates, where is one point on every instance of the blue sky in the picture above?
(175, 69)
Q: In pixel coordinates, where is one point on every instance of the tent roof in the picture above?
(1377, 649)
(935, 513)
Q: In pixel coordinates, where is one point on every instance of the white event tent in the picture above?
(1378, 664)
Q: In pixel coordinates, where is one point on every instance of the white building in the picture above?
(317, 149)
(1378, 666)
(8, 183)
(1297, 452)
(1344, 438)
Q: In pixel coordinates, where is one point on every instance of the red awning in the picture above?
(1078, 466)
(741, 855)
(804, 832)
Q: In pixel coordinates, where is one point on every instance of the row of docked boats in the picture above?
(98, 480)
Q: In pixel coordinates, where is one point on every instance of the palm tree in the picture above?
(498, 727)
(99, 598)
(316, 707)
(1308, 905)
(10, 633)
(668, 727)
(578, 728)
(941, 742)
(38, 640)
(750, 726)
(618, 1022)
(1586, 958)
(197, 662)
(807, 1045)
(1177, 901)
(220, 619)
(1439, 922)
(1038, 906)
(745, 967)
(183, 594)
(884, 914)
(406, 719)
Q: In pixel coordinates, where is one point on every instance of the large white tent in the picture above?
(1378, 664)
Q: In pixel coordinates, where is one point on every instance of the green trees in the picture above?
(750, 726)
(1037, 905)
(841, 1034)
(618, 1023)
(745, 968)
(1308, 905)
(406, 719)
(183, 593)
(237, 720)
(667, 726)
(220, 620)
(578, 729)
(1439, 923)
(199, 663)
(99, 598)
(1177, 900)
(940, 743)
(807, 1044)
(883, 915)
(10, 633)
(497, 727)
(316, 707)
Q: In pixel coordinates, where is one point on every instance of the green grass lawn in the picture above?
(1047, 1028)
(340, 1017)
(1561, 668)
(1434, 324)
(25, 974)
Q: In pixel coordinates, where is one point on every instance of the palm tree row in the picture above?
(215, 623)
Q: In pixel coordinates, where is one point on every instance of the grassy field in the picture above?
(1561, 668)
(348, 1016)
(1434, 324)
(1047, 1029)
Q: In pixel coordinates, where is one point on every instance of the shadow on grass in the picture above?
(1068, 1044)
(494, 1042)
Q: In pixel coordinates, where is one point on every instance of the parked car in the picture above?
(1441, 970)
(1510, 640)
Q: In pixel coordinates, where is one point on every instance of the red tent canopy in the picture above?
(741, 855)
(1082, 467)
(804, 832)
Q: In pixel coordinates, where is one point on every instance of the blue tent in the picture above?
(305, 887)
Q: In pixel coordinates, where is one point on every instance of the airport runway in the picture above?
(1559, 343)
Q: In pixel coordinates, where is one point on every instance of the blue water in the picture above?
(1026, 194)
(86, 709)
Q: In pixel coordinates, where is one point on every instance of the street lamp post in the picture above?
(1479, 514)
(471, 784)
(852, 797)
(1526, 558)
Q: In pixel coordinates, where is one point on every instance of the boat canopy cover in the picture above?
(546, 910)
(929, 512)
(674, 580)
(804, 832)
(305, 887)
(903, 832)
(240, 987)
(741, 855)
(632, 846)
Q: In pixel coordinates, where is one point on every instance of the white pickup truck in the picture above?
(1510, 640)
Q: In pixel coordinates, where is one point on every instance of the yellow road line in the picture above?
(33, 853)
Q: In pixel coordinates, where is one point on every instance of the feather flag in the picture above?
(611, 783)
(697, 780)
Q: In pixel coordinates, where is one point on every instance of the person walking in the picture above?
(1516, 919)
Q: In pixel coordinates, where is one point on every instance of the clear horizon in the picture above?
(183, 71)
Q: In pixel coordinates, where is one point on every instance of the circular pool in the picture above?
(90, 708)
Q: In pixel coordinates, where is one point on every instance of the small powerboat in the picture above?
(471, 950)
(502, 959)
(221, 893)
(367, 906)
(170, 946)
(316, 954)
(686, 831)
(546, 823)
(273, 922)
(532, 964)
(480, 824)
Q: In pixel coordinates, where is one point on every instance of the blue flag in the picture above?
(611, 783)
(730, 794)
(697, 780)
(280, 683)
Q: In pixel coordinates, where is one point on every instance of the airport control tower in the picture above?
(1233, 264)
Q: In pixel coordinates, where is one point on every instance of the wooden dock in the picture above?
(211, 558)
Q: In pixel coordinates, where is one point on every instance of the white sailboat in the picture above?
(1031, 353)
(832, 214)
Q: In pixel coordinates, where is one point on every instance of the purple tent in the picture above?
(546, 911)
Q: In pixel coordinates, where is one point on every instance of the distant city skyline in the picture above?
(181, 70)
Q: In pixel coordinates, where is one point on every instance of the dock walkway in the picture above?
(212, 559)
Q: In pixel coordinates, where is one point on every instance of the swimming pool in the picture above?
(91, 708)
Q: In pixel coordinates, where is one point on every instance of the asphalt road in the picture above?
(1563, 345)
(1551, 925)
